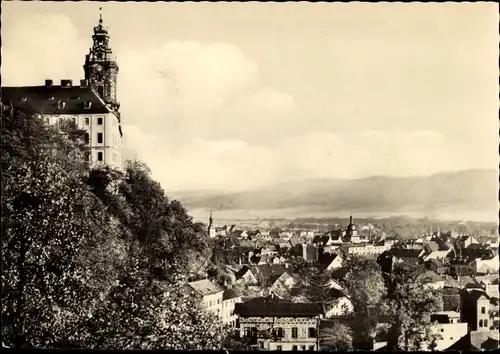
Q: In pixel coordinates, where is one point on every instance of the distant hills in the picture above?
(472, 191)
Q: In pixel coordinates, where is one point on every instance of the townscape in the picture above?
(96, 255)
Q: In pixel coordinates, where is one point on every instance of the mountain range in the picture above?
(474, 191)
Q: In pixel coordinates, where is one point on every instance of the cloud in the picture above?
(204, 115)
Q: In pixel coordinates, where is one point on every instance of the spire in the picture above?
(100, 15)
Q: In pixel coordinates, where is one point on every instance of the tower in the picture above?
(101, 68)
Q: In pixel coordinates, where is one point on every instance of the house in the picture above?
(309, 253)
(229, 299)
(437, 265)
(436, 255)
(432, 280)
(281, 243)
(449, 329)
(340, 306)
(280, 284)
(478, 309)
(275, 324)
(210, 293)
(485, 266)
(466, 240)
(460, 269)
(330, 262)
(388, 259)
(268, 274)
(247, 276)
(477, 341)
(364, 249)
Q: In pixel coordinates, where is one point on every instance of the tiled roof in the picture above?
(265, 307)
(229, 294)
(38, 99)
(205, 287)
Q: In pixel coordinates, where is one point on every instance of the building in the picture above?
(448, 330)
(92, 105)
(211, 295)
(479, 310)
(229, 299)
(275, 324)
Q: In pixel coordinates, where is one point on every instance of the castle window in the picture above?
(74, 120)
(295, 332)
(87, 138)
(294, 347)
(480, 323)
(99, 121)
(87, 121)
(99, 138)
(99, 156)
(483, 309)
(312, 332)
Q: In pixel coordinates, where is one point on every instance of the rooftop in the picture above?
(266, 307)
(48, 100)
(205, 287)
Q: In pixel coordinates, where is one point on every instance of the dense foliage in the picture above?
(93, 257)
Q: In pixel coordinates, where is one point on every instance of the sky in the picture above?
(234, 96)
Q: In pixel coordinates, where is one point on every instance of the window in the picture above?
(480, 323)
(279, 348)
(295, 332)
(218, 301)
(261, 345)
(99, 121)
(74, 120)
(99, 138)
(311, 347)
(247, 332)
(87, 121)
(87, 138)
(302, 347)
(99, 156)
(442, 330)
(278, 331)
(294, 347)
(483, 309)
(312, 332)
(485, 324)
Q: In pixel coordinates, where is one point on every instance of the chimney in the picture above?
(66, 83)
(49, 83)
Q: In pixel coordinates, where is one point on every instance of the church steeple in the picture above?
(101, 68)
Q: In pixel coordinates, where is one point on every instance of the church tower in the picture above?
(101, 68)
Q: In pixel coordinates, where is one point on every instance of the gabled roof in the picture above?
(326, 259)
(38, 99)
(266, 307)
(205, 287)
(437, 262)
(432, 246)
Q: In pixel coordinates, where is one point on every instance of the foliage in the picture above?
(365, 286)
(336, 337)
(93, 257)
(318, 287)
(48, 218)
(143, 313)
(411, 303)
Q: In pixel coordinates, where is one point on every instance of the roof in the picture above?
(37, 99)
(432, 246)
(266, 307)
(404, 253)
(326, 259)
(205, 287)
(230, 294)
(438, 263)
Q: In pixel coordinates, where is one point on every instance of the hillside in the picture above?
(464, 191)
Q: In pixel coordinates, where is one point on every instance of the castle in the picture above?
(92, 105)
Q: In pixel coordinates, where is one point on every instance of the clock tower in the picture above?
(101, 68)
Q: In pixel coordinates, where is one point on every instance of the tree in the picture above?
(143, 313)
(48, 218)
(318, 288)
(411, 303)
(365, 286)
(336, 337)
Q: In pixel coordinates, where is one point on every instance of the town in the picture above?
(96, 255)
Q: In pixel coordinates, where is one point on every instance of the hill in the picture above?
(449, 192)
